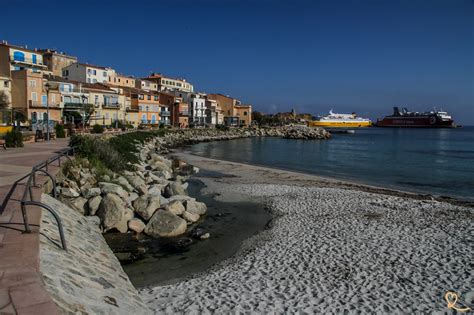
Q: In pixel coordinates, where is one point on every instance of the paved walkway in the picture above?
(21, 286)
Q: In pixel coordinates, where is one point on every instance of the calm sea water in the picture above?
(435, 161)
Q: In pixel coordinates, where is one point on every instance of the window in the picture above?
(245, 113)
(18, 56)
(34, 96)
(149, 97)
(96, 100)
(53, 98)
(153, 119)
(107, 116)
(119, 79)
(104, 74)
(44, 99)
(67, 99)
(156, 97)
(5, 84)
(144, 118)
(94, 80)
(88, 80)
(141, 97)
(94, 72)
(32, 83)
(65, 73)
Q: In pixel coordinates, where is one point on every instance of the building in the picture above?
(87, 73)
(214, 114)
(170, 84)
(197, 109)
(180, 114)
(5, 99)
(31, 95)
(244, 113)
(122, 80)
(146, 85)
(56, 61)
(14, 58)
(147, 105)
(108, 104)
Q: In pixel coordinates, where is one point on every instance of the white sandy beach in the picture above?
(330, 249)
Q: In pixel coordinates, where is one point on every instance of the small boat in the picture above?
(334, 120)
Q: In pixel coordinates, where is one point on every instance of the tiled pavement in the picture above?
(21, 287)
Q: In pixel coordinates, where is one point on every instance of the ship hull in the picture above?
(340, 124)
(415, 122)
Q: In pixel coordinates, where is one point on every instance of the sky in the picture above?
(313, 56)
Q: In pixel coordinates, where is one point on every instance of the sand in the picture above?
(332, 247)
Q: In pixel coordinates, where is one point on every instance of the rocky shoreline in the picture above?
(152, 199)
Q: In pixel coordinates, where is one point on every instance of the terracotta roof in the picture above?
(91, 65)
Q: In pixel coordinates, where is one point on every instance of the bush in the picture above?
(97, 129)
(222, 127)
(14, 139)
(60, 133)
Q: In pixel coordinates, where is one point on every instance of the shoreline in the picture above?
(181, 152)
(327, 248)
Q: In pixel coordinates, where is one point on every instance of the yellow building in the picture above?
(109, 105)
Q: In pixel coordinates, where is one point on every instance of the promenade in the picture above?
(21, 285)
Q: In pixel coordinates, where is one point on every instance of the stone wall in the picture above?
(88, 278)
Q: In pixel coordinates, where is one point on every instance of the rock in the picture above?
(132, 197)
(164, 174)
(195, 207)
(113, 213)
(156, 189)
(304, 132)
(165, 224)
(78, 204)
(195, 169)
(205, 236)
(145, 206)
(175, 207)
(108, 188)
(138, 184)
(190, 217)
(136, 225)
(93, 204)
(160, 166)
(90, 192)
(185, 185)
(106, 178)
(181, 198)
(69, 192)
(124, 183)
(174, 188)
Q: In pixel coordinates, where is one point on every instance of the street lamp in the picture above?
(47, 110)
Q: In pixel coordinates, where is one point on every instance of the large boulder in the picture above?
(69, 192)
(78, 204)
(165, 224)
(195, 207)
(146, 205)
(122, 181)
(90, 192)
(190, 217)
(138, 184)
(113, 213)
(110, 188)
(93, 204)
(173, 189)
(175, 207)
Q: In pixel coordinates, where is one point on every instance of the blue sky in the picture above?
(363, 56)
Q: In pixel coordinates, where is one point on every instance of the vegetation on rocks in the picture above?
(14, 139)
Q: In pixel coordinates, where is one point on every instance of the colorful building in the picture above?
(146, 85)
(108, 104)
(56, 61)
(87, 73)
(122, 80)
(147, 104)
(14, 58)
(32, 96)
(170, 84)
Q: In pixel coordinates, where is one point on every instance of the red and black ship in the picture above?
(404, 118)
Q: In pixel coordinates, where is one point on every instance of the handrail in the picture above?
(55, 215)
(28, 191)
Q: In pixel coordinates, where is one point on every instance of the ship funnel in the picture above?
(396, 111)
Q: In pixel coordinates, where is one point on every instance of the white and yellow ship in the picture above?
(340, 121)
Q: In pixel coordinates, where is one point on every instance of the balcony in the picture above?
(37, 104)
(165, 122)
(183, 113)
(112, 106)
(27, 61)
(165, 113)
(73, 106)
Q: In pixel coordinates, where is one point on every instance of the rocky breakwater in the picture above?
(149, 199)
(179, 137)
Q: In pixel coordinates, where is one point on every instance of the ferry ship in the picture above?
(404, 118)
(334, 120)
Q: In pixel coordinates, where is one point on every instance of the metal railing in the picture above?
(27, 197)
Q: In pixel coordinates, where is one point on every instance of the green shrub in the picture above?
(60, 133)
(14, 139)
(97, 129)
(223, 127)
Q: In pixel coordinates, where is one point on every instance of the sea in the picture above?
(439, 162)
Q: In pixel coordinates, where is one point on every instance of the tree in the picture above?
(257, 117)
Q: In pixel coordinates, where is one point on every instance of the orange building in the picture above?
(148, 105)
